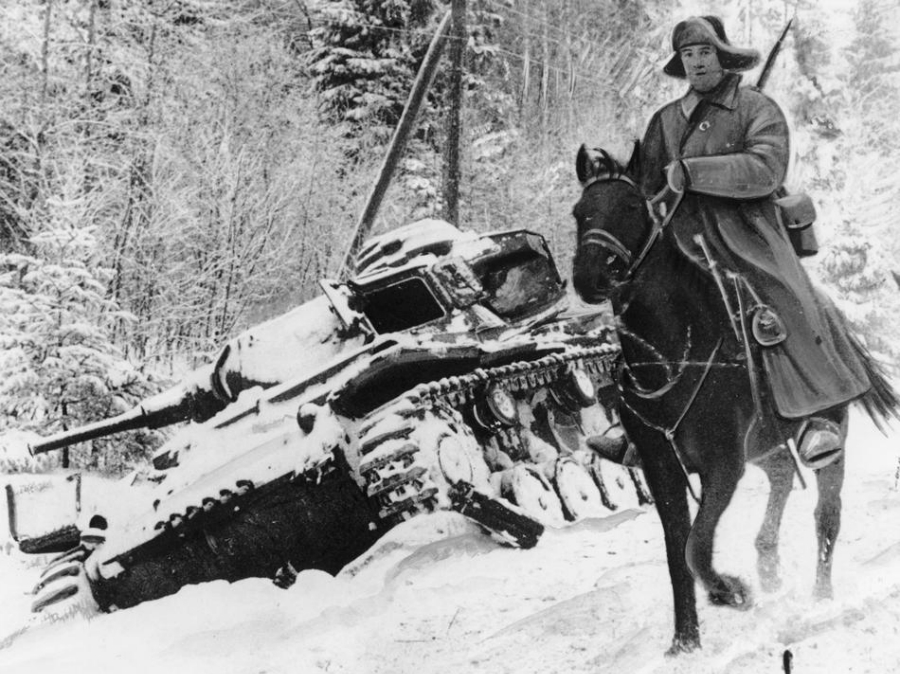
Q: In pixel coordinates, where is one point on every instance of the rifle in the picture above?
(773, 54)
(797, 211)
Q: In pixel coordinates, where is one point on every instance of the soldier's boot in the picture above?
(615, 449)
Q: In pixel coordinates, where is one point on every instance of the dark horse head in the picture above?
(689, 396)
(624, 255)
(615, 225)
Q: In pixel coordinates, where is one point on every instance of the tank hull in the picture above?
(452, 377)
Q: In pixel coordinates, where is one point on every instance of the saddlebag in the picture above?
(798, 214)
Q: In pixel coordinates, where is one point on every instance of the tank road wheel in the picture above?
(617, 485)
(528, 489)
(579, 493)
(623, 487)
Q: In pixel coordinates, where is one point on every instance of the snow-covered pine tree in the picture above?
(862, 176)
(365, 58)
(58, 366)
(874, 73)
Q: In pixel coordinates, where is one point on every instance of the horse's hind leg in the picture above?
(719, 483)
(779, 467)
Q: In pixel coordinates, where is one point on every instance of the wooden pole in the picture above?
(398, 143)
(454, 122)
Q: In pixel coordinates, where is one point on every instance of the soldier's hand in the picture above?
(676, 177)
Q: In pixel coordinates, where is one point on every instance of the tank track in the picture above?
(489, 444)
(521, 461)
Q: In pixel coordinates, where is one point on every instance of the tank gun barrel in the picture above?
(195, 398)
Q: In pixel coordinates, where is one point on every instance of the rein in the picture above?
(605, 240)
(602, 238)
(669, 432)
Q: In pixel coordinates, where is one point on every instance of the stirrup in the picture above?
(767, 326)
(819, 442)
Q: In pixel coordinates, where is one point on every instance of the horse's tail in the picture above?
(881, 401)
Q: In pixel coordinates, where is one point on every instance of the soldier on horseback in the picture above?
(728, 353)
(725, 149)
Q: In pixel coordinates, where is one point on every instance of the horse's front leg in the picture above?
(779, 468)
(830, 480)
(719, 483)
(668, 487)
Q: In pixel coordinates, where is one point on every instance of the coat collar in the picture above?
(724, 95)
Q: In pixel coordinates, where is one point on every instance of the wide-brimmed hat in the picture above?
(708, 30)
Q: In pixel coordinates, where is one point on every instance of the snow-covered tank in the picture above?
(449, 373)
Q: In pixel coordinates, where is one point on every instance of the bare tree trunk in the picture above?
(91, 46)
(526, 60)
(89, 87)
(398, 143)
(454, 120)
(545, 74)
(45, 54)
(64, 412)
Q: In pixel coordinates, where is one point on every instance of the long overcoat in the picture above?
(734, 145)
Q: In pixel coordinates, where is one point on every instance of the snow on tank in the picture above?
(448, 374)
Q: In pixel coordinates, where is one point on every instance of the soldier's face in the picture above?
(701, 65)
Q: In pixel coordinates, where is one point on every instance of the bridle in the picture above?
(611, 243)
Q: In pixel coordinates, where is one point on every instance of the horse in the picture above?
(690, 394)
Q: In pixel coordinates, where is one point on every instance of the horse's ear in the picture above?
(587, 163)
(634, 164)
(583, 164)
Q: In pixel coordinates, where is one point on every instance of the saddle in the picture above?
(816, 440)
(775, 337)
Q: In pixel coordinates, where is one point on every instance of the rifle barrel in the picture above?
(773, 54)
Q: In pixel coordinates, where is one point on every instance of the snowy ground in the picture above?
(437, 596)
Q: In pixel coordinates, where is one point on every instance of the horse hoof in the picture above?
(731, 591)
(683, 645)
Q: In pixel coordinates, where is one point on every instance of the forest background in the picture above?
(172, 171)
